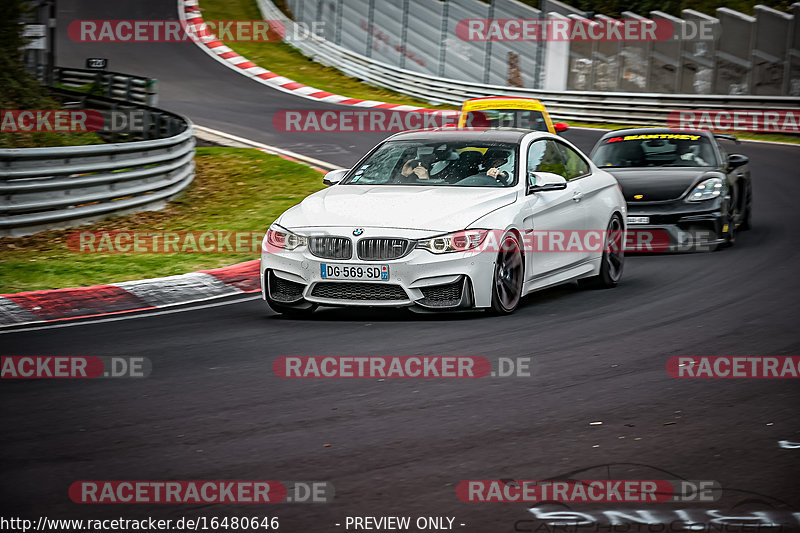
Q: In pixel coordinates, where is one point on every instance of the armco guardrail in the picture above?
(156, 123)
(584, 106)
(42, 188)
(135, 89)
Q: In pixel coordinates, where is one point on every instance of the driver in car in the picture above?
(689, 153)
(414, 168)
(493, 159)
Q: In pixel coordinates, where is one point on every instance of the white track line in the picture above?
(143, 314)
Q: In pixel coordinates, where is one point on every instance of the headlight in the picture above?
(282, 239)
(460, 241)
(707, 189)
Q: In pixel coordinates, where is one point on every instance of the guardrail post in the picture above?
(152, 92)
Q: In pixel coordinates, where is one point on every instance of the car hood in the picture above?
(657, 184)
(434, 208)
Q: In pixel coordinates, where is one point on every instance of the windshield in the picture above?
(655, 150)
(460, 164)
(507, 118)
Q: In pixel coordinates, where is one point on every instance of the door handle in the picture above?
(577, 195)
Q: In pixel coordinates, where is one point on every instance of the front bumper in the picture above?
(676, 227)
(432, 281)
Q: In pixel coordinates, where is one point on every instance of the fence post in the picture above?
(338, 29)
(404, 34)
(487, 58)
(370, 28)
(443, 39)
(540, 45)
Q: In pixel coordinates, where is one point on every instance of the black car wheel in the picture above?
(612, 261)
(747, 218)
(508, 275)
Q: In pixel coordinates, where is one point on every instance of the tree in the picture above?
(18, 89)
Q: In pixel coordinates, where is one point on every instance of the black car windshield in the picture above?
(459, 164)
(655, 150)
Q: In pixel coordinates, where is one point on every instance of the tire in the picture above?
(747, 219)
(729, 236)
(508, 277)
(612, 261)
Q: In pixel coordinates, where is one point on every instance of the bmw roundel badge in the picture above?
(358, 231)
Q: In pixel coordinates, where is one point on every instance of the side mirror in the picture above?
(737, 160)
(545, 181)
(335, 176)
(560, 127)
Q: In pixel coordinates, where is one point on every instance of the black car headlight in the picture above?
(707, 190)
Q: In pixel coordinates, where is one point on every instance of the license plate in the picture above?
(355, 272)
(638, 220)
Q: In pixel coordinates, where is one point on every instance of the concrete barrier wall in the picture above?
(742, 54)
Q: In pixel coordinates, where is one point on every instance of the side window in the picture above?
(576, 165)
(722, 154)
(544, 156)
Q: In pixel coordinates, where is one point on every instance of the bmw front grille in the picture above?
(331, 247)
(382, 249)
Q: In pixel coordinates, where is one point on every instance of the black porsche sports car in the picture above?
(682, 182)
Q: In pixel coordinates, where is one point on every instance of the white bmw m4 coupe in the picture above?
(448, 220)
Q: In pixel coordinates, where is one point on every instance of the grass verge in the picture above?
(234, 189)
(283, 59)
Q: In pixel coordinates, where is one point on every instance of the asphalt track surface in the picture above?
(212, 409)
